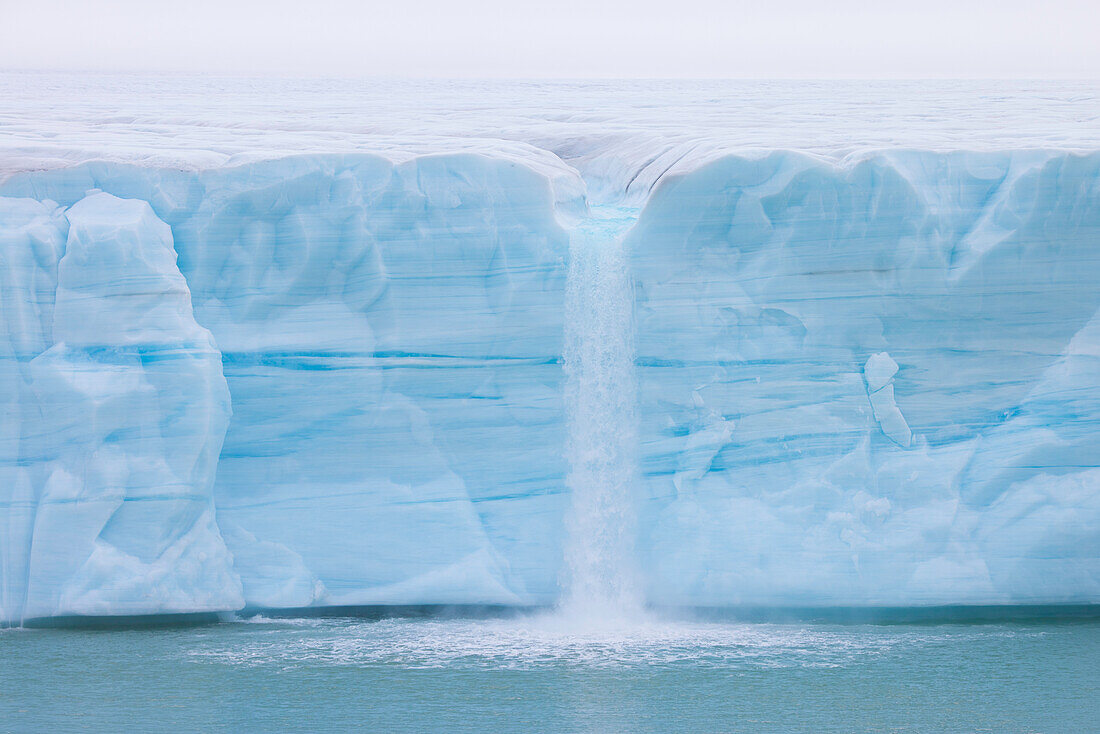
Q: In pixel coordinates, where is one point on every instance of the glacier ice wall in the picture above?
(338, 380)
(874, 383)
(383, 330)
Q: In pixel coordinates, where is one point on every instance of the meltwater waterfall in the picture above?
(600, 398)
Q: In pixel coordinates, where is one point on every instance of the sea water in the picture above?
(534, 672)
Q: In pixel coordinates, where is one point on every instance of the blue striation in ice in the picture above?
(340, 378)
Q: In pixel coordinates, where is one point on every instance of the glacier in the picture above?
(327, 367)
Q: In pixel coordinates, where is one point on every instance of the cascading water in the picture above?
(600, 397)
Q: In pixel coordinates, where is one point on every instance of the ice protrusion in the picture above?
(879, 372)
(118, 284)
(130, 410)
(271, 574)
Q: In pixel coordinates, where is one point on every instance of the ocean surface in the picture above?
(542, 672)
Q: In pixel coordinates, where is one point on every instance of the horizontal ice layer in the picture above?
(868, 382)
(873, 383)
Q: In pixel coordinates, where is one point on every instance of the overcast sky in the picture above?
(559, 38)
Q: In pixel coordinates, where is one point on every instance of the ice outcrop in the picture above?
(338, 380)
(121, 420)
(879, 373)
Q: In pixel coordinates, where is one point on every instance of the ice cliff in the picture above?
(338, 380)
(876, 382)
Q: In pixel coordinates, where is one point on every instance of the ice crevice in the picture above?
(457, 378)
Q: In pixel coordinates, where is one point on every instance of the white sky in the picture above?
(559, 38)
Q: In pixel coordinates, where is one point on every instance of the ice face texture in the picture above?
(338, 379)
(115, 426)
(873, 383)
(390, 337)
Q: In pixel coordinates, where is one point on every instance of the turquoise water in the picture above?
(542, 673)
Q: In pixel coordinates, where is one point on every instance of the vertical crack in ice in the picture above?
(600, 399)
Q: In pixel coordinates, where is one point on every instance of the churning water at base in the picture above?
(601, 585)
(538, 673)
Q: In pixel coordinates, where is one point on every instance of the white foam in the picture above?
(546, 640)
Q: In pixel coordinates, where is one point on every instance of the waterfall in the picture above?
(600, 397)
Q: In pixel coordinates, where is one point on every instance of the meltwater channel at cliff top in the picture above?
(283, 344)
